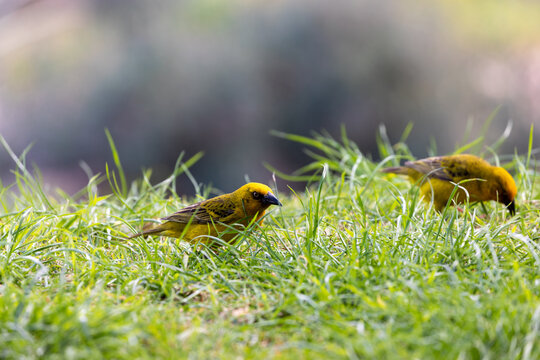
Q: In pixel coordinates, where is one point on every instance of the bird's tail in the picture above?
(402, 170)
(149, 229)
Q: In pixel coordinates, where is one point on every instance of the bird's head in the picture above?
(255, 198)
(506, 189)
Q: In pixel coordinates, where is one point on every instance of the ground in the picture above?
(355, 266)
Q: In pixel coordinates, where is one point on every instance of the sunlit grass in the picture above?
(356, 266)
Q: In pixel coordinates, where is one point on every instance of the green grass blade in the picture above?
(116, 158)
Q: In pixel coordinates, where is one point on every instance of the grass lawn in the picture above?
(357, 266)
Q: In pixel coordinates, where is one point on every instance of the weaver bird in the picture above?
(218, 216)
(438, 176)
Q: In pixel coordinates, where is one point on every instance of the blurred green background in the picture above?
(217, 76)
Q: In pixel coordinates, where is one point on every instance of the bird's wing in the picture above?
(433, 167)
(204, 212)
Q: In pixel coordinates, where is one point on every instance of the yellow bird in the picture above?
(221, 216)
(437, 177)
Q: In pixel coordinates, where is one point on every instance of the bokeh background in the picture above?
(218, 75)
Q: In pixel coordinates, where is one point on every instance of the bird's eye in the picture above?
(256, 195)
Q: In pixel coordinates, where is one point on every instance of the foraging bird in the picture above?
(437, 177)
(218, 216)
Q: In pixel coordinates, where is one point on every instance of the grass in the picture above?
(354, 267)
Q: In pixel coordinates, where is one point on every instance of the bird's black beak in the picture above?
(270, 199)
(512, 208)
